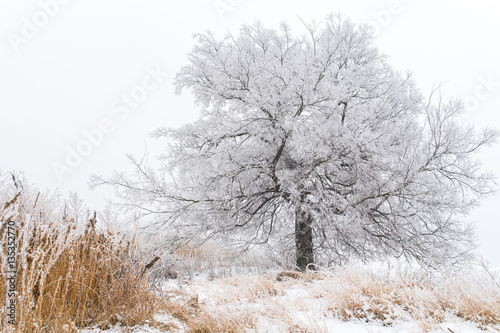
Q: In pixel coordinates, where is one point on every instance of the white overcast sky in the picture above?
(67, 65)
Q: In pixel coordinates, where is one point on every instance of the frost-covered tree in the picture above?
(316, 137)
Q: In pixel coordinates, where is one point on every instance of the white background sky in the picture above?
(63, 76)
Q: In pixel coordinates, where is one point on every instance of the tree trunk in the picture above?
(303, 239)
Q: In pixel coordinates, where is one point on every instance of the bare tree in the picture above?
(315, 137)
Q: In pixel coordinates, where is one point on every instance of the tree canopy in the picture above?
(314, 138)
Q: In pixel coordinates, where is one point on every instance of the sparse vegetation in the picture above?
(305, 303)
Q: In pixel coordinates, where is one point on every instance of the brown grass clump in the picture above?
(251, 287)
(472, 301)
(196, 318)
(68, 279)
(221, 321)
(368, 300)
(285, 275)
(368, 297)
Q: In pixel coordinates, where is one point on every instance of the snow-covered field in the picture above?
(344, 301)
(333, 326)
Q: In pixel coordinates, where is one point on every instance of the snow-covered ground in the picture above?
(332, 326)
(331, 303)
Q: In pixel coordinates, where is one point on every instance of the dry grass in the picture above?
(306, 303)
(357, 295)
(216, 321)
(371, 298)
(197, 318)
(68, 279)
(475, 302)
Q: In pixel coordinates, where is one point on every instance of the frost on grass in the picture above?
(356, 296)
(70, 276)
